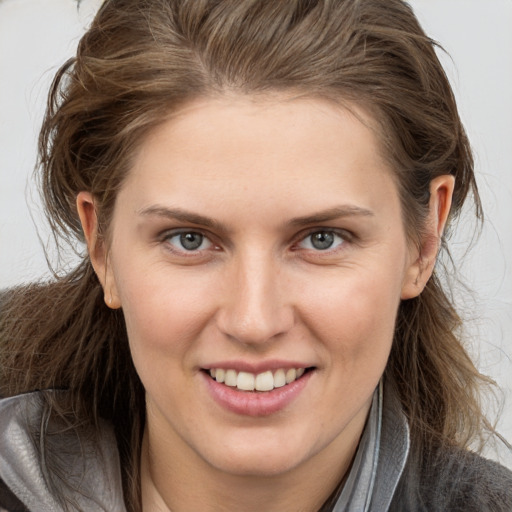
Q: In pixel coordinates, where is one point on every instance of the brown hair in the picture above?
(142, 59)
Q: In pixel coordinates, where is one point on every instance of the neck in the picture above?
(184, 485)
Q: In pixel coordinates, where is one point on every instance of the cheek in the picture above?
(355, 316)
(164, 311)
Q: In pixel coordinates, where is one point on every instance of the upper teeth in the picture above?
(265, 381)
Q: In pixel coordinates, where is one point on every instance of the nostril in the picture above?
(255, 317)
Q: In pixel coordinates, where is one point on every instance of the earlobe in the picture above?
(422, 266)
(96, 247)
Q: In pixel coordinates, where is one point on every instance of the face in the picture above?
(261, 242)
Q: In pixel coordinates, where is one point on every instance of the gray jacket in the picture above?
(386, 475)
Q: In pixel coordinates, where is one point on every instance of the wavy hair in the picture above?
(140, 61)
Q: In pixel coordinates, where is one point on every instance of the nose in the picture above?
(257, 308)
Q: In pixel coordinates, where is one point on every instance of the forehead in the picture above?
(269, 113)
(304, 149)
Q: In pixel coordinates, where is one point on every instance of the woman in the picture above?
(263, 188)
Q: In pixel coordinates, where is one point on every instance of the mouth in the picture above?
(258, 383)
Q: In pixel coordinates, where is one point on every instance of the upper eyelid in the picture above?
(171, 233)
(347, 237)
(343, 233)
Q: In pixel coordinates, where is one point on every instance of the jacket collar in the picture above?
(91, 455)
(369, 487)
(380, 458)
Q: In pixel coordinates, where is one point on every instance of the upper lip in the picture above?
(256, 367)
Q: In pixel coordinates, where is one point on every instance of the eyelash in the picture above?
(343, 236)
(169, 235)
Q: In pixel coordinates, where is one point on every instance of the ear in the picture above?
(424, 257)
(98, 252)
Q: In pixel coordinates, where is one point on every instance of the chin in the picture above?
(258, 465)
(266, 458)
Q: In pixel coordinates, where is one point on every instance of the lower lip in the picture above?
(258, 403)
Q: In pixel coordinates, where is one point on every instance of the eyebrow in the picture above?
(202, 220)
(182, 216)
(330, 214)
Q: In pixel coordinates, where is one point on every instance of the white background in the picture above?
(36, 36)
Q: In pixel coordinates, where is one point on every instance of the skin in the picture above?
(258, 290)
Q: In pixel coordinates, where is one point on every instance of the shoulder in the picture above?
(455, 480)
(466, 479)
(60, 463)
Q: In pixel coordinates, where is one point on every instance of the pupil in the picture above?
(322, 240)
(191, 241)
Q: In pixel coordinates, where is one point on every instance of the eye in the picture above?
(189, 241)
(321, 241)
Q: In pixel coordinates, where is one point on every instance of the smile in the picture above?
(264, 381)
(258, 393)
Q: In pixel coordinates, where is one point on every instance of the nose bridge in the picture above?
(257, 309)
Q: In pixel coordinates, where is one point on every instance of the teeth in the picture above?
(291, 375)
(279, 379)
(265, 381)
(231, 378)
(245, 381)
